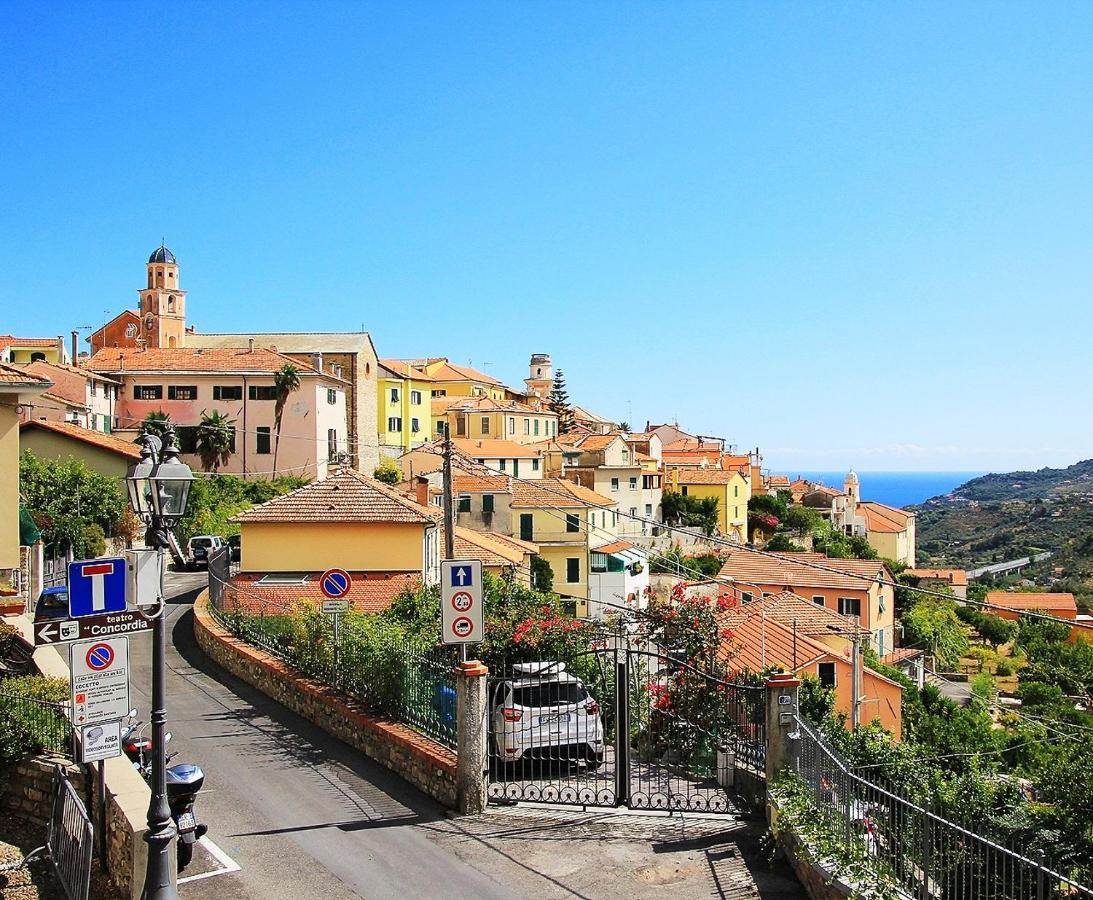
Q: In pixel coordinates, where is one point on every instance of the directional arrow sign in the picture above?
(62, 631)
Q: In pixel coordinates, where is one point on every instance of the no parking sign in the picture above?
(100, 680)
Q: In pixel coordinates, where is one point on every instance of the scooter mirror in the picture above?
(133, 713)
(167, 738)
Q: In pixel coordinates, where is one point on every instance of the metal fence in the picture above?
(912, 848)
(385, 674)
(71, 838)
(36, 724)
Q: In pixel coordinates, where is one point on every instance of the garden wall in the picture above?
(424, 763)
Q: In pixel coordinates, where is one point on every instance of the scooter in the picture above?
(183, 783)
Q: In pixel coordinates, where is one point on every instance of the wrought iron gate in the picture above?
(619, 725)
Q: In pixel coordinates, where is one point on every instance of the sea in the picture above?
(894, 488)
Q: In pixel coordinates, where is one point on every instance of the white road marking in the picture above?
(229, 864)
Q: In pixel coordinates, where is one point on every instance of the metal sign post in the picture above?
(335, 584)
(461, 601)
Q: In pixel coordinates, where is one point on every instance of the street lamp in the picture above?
(159, 491)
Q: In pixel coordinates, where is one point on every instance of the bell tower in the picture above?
(162, 303)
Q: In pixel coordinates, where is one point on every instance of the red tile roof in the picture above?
(957, 577)
(94, 438)
(486, 546)
(883, 518)
(793, 570)
(1063, 603)
(403, 369)
(898, 656)
(9, 340)
(615, 547)
(788, 608)
(195, 359)
(9, 375)
(704, 476)
(467, 483)
(371, 592)
(495, 448)
(549, 492)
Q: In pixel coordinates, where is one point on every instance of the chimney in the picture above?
(75, 347)
(121, 360)
(421, 490)
(250, 344)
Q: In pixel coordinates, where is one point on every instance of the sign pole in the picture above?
(449, 513)
(337, 645)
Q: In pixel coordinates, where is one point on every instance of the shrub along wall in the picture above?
(424, 763)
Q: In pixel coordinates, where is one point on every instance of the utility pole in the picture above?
(856, 676)
(449, 513)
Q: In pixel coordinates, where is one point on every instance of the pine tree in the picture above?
(559, 403)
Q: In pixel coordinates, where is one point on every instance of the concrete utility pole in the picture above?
(856, 676)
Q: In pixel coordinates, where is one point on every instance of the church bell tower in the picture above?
(162, 303)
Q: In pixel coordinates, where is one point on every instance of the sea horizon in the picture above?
(893, 488)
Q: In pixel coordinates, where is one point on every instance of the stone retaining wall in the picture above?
(424, 763)
(26, 790)
(819, 883)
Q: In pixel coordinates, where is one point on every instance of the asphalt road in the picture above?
(301, 813)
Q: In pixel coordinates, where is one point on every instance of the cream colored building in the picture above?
(78, 396)
(16, 387)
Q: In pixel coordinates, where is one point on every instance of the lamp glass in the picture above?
(170, 496)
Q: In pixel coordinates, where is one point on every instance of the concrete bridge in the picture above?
(1005, 568)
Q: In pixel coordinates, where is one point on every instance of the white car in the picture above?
(201, 547)
(544, 712)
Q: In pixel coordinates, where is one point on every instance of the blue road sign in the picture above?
(335, 583)
(96, 586)
(461, 576)
(99, 657)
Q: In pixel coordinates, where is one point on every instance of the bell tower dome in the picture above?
(540, 375)
(162, 302)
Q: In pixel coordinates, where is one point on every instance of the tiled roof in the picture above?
(9, 340)
(485, 546)
(69, 385)
(614, 547)
(883, 518)
(402, 369)
(704, 476)
(790, 570)
(95, 438)
(495, 448)
(469, 483)
(451, 372)
(957, 577)
(189, 359)
(345, 496)
(1018, 600)
(549, 492)
(371, 592)
(420, 462)
(442, 405)
(777, 480)
(9, 375)
(788, 608)
(898, 656)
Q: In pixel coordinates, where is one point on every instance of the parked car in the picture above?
(235, 546)
(52, 604)
(199, 548)
(545, 712)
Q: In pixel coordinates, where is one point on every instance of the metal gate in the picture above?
(622, 725)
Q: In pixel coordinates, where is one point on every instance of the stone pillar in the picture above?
(781, 721)
(470, 712)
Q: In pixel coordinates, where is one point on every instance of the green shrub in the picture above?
(1005, 667)
(28, 724)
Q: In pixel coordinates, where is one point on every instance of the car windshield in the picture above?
(201, 542)
(549, 693)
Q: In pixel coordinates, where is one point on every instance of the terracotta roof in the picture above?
(515, 543)
(777, 480)
(9, 340)
(9, 375)
(67, 384)
(469, 483)
(1018, 600)
(898, 656)
(345, 496)
(449, 371)
(883, 518)
(420, 462)
(786, 608)
(99, 439)
(549, 492)
(188, 359)
(790, 570)
(371, 592)
(471, 544)
(956, 577)
(402, 369)
(704, 476)
(495, 448)
(615, 547)
(486, 404)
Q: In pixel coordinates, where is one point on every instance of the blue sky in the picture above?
(850, 235)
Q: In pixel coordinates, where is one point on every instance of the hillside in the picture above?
(1000, 517)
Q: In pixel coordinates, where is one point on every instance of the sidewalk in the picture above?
(556, 852)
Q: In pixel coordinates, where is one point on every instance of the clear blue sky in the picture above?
(852, 235)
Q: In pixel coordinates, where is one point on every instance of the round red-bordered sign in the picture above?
(99, 657)
(462, 601)
(462, 627)
(335, 583)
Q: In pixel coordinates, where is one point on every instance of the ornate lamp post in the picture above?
(159, 491)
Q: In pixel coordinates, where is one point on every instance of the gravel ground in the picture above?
(36, 881)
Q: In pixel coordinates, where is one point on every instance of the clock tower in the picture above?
(162, 304)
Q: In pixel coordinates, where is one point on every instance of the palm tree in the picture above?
(156, 423)
(215, 439)
(286, 380)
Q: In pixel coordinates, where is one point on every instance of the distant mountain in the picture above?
(1037, 485)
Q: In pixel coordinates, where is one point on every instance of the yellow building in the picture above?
(730, 488)
(889, 530)
(15, 387)
(404, 396)
(106, 454)
(486, 418)
(18, 351)
(450, 380)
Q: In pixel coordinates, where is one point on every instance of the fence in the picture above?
(384, 673)
(70, 839)
(911, 848)
(36, 724)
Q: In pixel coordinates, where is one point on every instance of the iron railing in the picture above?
(910, 848)
(36, 724)
(71, 838)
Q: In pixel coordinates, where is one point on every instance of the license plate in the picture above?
(187, 822)
(554, 719)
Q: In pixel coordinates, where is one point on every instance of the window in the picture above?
(554, 428)
(614, 484)
(572, 522)
(526, 526)
(91, 383)
(683, 490)
(634, 511)
(880, 642)
(227, 392)
(849, 606)
(415, 398)
(536, 426)
(440, 393)
(648, 509)
(527, 426)
(461, 426)
(463, 504)
(92, 422)
(262, 392)
(598, 562)
(394, 423)
(263, 444)
(182, 392)
(415, 425)
(485, 424)
(826, 671)
(331, 396)
(147, 392)
(818, 599)
(487, 503)
(573, 570)
(634, 483)
(535, 465)
(331, 444)
(501, 464)
(626, 456)
(736, 490)
(746, 597)
(394, 395)
(440, 428)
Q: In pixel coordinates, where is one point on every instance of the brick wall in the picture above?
(424, 763)
(27, 787)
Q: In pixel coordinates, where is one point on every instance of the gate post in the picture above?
(622, 726)
(781, 715)
(470, 718)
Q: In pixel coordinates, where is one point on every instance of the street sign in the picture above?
(102, 741)
(63, 631)
(96, 586)
(461, 601)
(335, 583)
(335, 606)
(100, 680)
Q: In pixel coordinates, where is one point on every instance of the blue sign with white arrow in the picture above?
(96, 586)
(462, 576)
